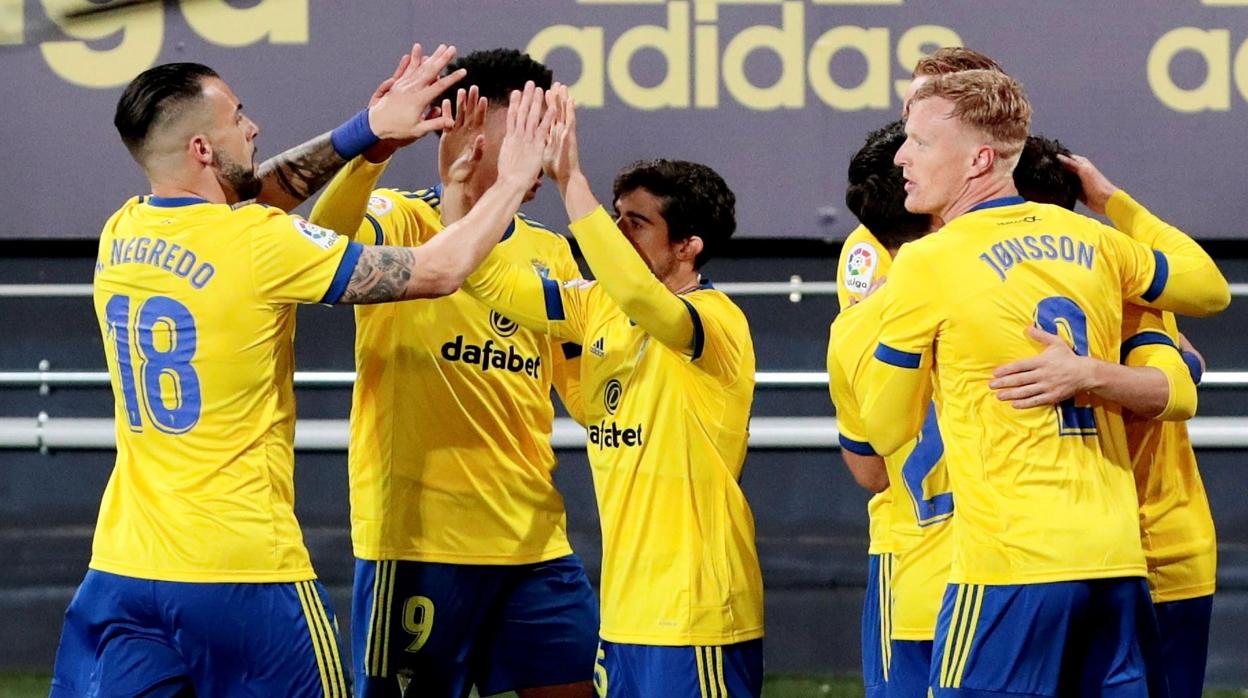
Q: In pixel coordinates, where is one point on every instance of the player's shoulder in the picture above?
(707, 299)
(858, 326)
(421, 202)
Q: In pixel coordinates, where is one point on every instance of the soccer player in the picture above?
(668, 376)
(1046, 581)
(863, 260)
(1175, 522)
(896, 628)
(464, 574)
(199, 580)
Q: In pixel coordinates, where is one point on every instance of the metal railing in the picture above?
(813, 433)
(795, 288)
(46, 379)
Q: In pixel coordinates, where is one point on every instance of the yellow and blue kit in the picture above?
(668, 382)
(1045, 496)
(452, 493)
(197, 537)
(1176, 526)
(915, 574)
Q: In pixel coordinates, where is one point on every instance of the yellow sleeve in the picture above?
(843, 296)
(1147, 341)
(627, 280)
(849, 422)
(898, 377)
(293, 261)
(566, 363)
(346, 200)
(721, 334)
(1181, 277)
(554, 307)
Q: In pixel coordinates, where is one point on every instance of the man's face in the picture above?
(486, 171)
(233, 139)
(639, 215)
(937, 157)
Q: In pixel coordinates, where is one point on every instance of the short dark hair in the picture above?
(877, 191)
(496, 72)
(1042, 178)
(153, 95)
(694, 200)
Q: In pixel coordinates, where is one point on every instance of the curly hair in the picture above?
(1042, 178)
(877, 193)
(694, 200)
(496, 72)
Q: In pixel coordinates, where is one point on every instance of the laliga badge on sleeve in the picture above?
(860, 267)
(323, 238)
(379, 205)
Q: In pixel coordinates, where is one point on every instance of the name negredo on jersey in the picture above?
(175, 259)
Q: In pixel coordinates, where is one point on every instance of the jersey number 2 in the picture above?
(165, 344)
(1058, 312)
(927, 453)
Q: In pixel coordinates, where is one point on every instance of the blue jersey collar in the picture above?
(997, 203)
(174, 201)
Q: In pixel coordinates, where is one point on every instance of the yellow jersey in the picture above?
(450, 458)
(1043, 494)
(668, 428)
(1176, 526)
(863, 260)
(922, 506)
(196, 305)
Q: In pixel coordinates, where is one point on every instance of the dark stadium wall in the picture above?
(811, 517)
(775, 95)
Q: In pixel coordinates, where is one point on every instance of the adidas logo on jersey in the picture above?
(489, 355)
(597, 348)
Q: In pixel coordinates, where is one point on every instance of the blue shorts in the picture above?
(1081, 638)
(909, 669)
(643, 671)
(444, 628)
(136, 637)
(1184, 627)
(877, 608)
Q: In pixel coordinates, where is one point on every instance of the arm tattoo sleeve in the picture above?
(291, 177)
(381, 275)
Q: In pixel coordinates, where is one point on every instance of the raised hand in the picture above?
(463, 143)
(529, 123)
(403, 111)
(561, 159)
(1096, 187)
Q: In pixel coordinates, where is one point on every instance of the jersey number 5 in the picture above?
(1052, 314)
(165, 344)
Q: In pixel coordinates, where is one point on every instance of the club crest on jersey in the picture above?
(860, 267)
(504, 326)
(540, 267)
(323, 238)
(379, 205)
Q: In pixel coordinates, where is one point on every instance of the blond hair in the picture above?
(954, 59)
(989, 101)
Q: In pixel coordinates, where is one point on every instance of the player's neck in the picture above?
(683, 280)
(978, 192)
(208, 189)
(455, 202)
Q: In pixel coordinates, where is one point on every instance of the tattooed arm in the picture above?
(439, 267)
(290, 178)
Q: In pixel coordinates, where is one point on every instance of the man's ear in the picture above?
(983, 162)
(200, 148)
(689, 248)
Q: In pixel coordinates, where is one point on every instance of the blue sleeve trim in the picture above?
(353, 137)
(572, 350)
(1144, 339)
(862, 448)
(381, 237)
(346, 267)
(554, 300)
(1160, 276)
(699, 333)
(897, 357)
(1193, 366)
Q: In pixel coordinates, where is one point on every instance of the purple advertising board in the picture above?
(774, 94)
